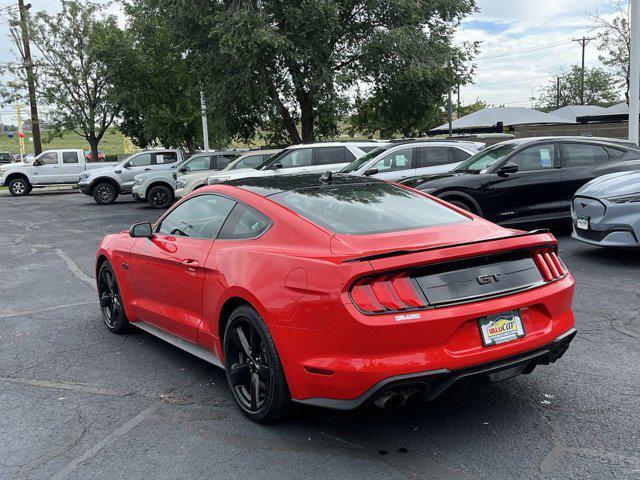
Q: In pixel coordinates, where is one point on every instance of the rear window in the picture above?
(367, 208)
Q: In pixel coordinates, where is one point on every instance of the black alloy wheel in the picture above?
(111, 305)
(19, 187)
(160, 197)
(253, 368)
(105, 193)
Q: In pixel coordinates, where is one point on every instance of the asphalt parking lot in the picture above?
(78, 402)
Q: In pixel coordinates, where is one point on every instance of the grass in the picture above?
(112, 143)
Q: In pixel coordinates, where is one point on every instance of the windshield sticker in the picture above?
(545, 157)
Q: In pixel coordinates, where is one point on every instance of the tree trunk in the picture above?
(191, 146)
(287, 120)
(93, 143)
(307, 118)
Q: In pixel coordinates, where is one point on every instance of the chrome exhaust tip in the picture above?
(413, 397)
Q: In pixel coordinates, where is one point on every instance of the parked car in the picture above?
(188, 181)
(606, 211)
(101, 156)
(51, 167)
(407, 158)
(528, 180)
(6, 157)
(338, 291)
(304, 158)
(158, 188)
(105, 184)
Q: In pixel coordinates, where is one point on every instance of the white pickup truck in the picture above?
(51, 167)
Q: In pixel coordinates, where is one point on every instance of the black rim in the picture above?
(110, 302)
(104, 193)
(248, 366)
(159, 198)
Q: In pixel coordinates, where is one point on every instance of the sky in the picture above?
(504, 74)
(505, 77)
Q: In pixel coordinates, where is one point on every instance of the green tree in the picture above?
(277, 65)
(71, 78)
(476, 106)
(599, 89)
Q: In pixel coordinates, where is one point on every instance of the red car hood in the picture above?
(412, 240)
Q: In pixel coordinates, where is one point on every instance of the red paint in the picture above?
(296, 277)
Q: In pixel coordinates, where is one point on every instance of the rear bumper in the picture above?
(434, 383)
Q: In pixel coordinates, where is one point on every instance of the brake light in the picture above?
(550, 266)
(388, 293)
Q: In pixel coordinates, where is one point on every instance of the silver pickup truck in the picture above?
(51, 167)
(105, 184)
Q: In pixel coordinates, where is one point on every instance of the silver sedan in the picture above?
(606, 211)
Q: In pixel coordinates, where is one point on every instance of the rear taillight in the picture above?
(388, 293)
(550, 266)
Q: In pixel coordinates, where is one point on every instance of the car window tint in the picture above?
(70, 157)
(367, 208)
(482, 161)
(330, 155)
(460, 155)
(5, 158)
(224, 160)
(49, 158)
(243, 223)
(539, 157)
(166, 157)
(298, 157)
(578, 154)
(198, 217)
(198, 163)
(141, 160)
(368, 149)
(615, 152)
(397, 160)
(350, 157)
(432, 156)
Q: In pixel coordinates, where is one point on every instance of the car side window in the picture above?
(330, 155)
(582, 154)
(199, 217)
(166, 157)
(141, 160)
(222, 161)
(459, 154)
(397, 160)
(198, 163)
(49, 158)
(298, 157)
(539, 157)
(70, 157)
(250, 162)
(432, 156)
(244, 223)
(4, 157)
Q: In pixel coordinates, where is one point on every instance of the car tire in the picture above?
(460, 204)
(253, 368)
(19, 187)
(160, 196)
(111, 305)
(104, 193)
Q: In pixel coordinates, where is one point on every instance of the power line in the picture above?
(506, 82)
(525, 50)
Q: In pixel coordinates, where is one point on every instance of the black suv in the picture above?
(529, 180)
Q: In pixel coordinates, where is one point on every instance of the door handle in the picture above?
(147, 169)
(191, 265)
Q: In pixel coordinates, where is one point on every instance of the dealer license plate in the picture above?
(501, 328)
(583, 222)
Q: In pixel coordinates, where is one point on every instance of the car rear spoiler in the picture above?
(396, 253)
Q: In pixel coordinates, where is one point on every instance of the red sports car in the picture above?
(338, 291)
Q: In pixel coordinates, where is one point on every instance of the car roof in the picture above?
(620, 142)
(333, 144)
(267, 186)
(253, 153)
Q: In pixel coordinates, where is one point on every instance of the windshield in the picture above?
(484, 160)
(367, 208)
(265, 165)
(356, 164)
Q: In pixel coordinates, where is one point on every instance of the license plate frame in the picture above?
(501, 328)
(582, 222)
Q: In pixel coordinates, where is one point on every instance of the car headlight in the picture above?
(214, 180)
(181, 183)
(2, 172)
(84, 175)
(632, 198)
(137, 181)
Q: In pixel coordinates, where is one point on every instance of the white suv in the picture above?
(305, 158)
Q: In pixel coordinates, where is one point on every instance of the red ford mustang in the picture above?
(338, 291)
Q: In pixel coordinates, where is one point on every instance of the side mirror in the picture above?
(182, 170)
(369, 172)
(37, 163)
(141, 230)
(507, 169)
(276, 166)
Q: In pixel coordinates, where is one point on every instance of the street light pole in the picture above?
(31, 79)
(634, 88)
(205, 124)
(584, 41)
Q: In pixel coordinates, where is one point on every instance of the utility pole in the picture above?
(634, 90)
(31, 80)
(557, 92)
(458, 111)
(584, 41)
(205, 124)
(450, 114)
